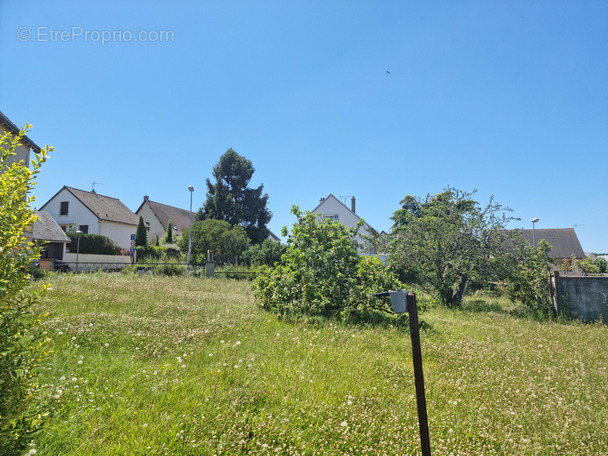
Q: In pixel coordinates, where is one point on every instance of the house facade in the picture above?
(92, 213)
(27, 145)
(157, 215)
(333, 209)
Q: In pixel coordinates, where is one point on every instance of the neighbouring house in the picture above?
(27, 145)
(157, 215)
(563, 241)
(93, 213)
(273, 237)
(45, 230)
(333, 209)
(49, 235)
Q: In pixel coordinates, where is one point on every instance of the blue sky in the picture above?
(509, 98)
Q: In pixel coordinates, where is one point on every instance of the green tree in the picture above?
(321, 273)
(230, 199)
(21, 341)
(530, 282)
(447, 241)
(268, 253)
(141, 235)
(168, 237)
(224, 241)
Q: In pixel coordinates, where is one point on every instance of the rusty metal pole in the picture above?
(423, 422)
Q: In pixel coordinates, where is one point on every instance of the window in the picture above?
(333, 218)
(64, 208)
(84, 228)
(64, 227)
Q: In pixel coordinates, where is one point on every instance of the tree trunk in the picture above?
(459, 292)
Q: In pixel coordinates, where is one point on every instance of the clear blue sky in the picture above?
(506, 97)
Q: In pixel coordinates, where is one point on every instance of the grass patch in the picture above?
(186, 366)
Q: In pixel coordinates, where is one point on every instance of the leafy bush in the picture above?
(21, 342)
(321, 273)
(92, 243)
(224, 241)
(237, 272)
(149, 252)
(531, 282)
(268, 253)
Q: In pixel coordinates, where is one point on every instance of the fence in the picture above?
(585, 298)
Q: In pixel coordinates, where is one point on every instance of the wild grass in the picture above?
(187, 366)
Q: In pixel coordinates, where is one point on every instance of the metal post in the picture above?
(191, 188)
(412, 310)
(78, 249)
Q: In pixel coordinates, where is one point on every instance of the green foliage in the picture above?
(591, 265)
(230, 199)
(224, 241)
(21, 342)
(321, 273)
(267, 253)
(447, 241)
(530, 283)
(169, 237)
(92, 243)
(150, 252)
(238, 272)
(141, 235)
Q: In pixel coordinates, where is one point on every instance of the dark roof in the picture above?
(104, 207)
(45, 228)
(15, 130)
(563, 241)
(164, 213)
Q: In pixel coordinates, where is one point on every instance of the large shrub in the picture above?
(21, 342)
(321, 273)
(92, 243)
(224, 241)
(267, 253)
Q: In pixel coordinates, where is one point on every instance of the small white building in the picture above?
(93, 213)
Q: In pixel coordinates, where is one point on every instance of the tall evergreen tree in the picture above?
(230, 199)
(169, 235)
(141, 235)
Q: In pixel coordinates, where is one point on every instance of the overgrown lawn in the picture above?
(153, 365)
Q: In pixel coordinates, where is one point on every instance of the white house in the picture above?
(333, 209)
(157, 216)
(93, 213)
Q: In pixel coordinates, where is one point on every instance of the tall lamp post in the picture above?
(78, 248)
(191, 188)
(534, 220)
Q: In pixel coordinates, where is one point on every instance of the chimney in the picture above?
(321, 200)
(145, 197)
(352, 204)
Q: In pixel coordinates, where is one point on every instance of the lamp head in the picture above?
(191, 188)
(534, 220)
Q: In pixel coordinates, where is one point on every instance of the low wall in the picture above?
(93, 262)
(585, 298)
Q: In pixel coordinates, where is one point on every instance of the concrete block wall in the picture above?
(585, 298)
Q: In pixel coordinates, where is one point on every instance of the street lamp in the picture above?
(534, 220)
(191, 188)
(78, 248)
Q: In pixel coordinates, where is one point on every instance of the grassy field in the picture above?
(185, 366)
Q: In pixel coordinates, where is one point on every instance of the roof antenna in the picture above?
(94, 184)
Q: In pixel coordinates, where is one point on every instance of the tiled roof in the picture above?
(15, 129)
(105, 207)
(164, 213)
(563, 241)
(45, 228)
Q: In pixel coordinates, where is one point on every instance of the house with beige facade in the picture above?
(92, 213)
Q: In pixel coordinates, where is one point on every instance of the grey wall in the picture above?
(585, 298)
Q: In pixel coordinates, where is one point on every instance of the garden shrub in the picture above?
(92, 243)
(321, 273)
(21, 342)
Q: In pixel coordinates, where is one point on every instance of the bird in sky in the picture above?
(388, 72)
